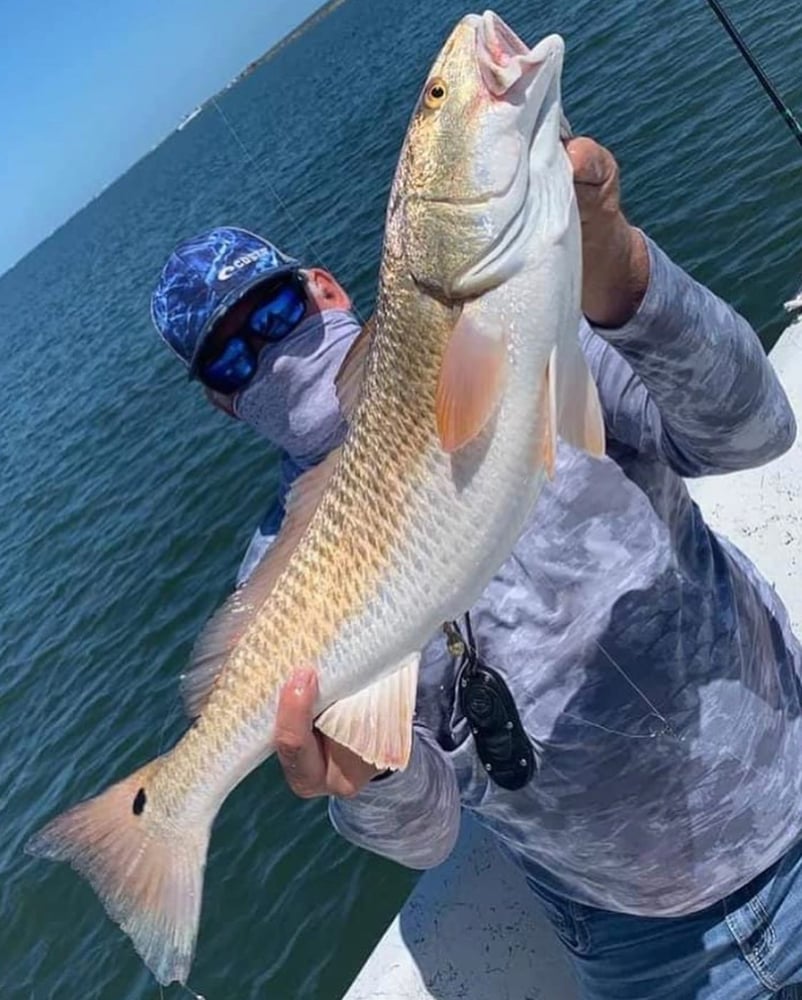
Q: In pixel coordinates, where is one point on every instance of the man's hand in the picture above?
(312, 763)
(615, 261)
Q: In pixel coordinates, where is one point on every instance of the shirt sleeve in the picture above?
(261, 540)
(686, 381)
(412, 816)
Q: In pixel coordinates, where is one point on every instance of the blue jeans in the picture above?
(746, 947)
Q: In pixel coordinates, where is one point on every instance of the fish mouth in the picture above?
(504, 59)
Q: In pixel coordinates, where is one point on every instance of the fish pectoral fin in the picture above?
(349, 377)
(376, 723)
(571, 407)
(472, 377)
(227, 626)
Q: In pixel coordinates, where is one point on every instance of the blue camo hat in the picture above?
(203, 277)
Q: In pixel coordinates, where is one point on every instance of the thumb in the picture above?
(595, 177)
(298, 748)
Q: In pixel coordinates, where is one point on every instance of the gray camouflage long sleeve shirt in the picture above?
(652, 666)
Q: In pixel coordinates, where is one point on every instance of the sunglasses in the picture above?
(275, 315)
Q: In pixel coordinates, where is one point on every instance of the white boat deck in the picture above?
(471, 930)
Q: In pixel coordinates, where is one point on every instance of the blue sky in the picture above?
(87, 87)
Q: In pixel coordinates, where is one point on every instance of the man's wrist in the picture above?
(616, 263)
(382, 775)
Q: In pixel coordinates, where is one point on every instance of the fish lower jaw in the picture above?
(534, 223)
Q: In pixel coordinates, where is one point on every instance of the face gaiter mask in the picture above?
(291, 399)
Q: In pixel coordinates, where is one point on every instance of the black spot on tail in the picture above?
(139, 802)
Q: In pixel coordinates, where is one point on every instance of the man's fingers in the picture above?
(592, 163)
(347, 773)
(312, 764)
(595, 177)
(297, 746)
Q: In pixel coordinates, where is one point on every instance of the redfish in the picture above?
(455, 398)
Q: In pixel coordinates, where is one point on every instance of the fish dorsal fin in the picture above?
(571, 406)
(349, 377)
(376, 723)
(226, 627)
(472, 377)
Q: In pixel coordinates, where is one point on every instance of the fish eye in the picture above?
(435, 93)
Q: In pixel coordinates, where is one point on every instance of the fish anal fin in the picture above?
(349, 377)
(580, 420)
(147, 872)
(376, 723)
(472, 377)
(228, 624)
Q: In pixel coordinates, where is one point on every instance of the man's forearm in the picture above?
(720, 404)
(412, 816)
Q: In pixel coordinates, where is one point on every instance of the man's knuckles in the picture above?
(343, 787)
(289, 744)
(339, 785)
(305, 789)
(593, 165)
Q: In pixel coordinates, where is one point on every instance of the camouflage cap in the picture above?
(203, 277)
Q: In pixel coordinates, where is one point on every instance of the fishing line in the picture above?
(607, 729)
(263, 174)
(192, 993)
(668, 729)
(754, 65)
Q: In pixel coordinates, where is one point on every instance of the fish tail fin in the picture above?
(145, 865)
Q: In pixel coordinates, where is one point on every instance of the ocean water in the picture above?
(126, 502)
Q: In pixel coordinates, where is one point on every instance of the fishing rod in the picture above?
(754, 65)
